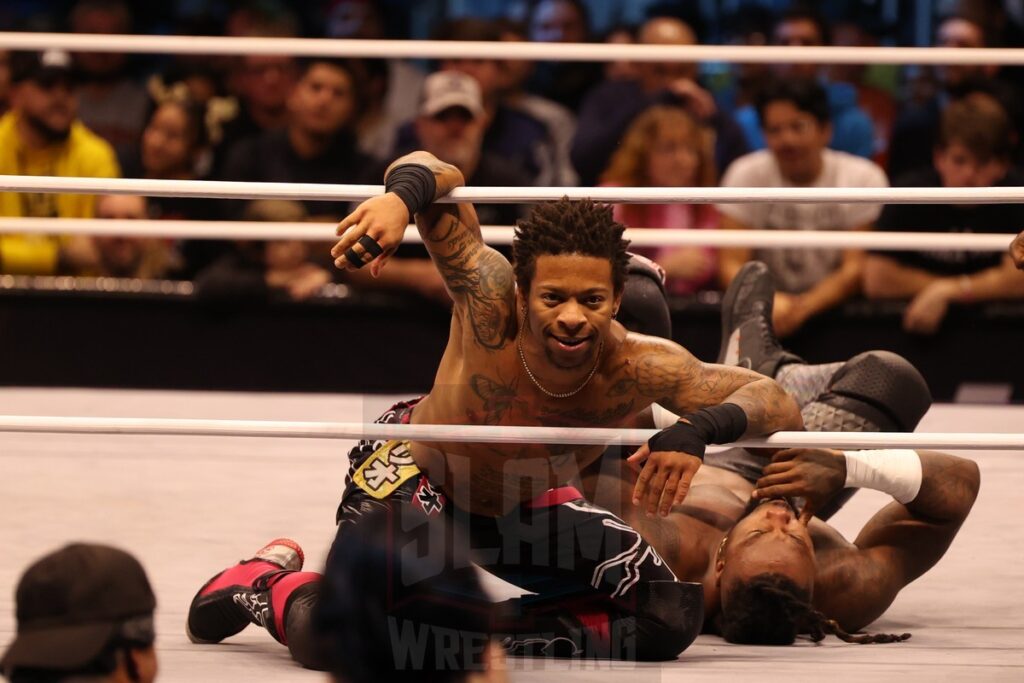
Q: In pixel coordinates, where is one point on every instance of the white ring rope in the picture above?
(486, 434)
(502, 235)
(223, 189)
(434, 49)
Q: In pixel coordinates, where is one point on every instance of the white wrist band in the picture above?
(663, 417)
(894, 471)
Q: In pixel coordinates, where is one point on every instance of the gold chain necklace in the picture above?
(529, 373)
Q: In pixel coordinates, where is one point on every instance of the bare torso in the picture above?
(688, 538)
(481, 379)
(490, 387)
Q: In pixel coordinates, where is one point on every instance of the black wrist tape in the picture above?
(414, 184)
(718, 424)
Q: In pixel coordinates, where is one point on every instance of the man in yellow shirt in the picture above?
(41, 135)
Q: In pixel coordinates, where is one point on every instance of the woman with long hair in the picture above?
(176, 145)
(666, 147)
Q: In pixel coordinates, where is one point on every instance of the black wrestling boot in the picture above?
(748, 338)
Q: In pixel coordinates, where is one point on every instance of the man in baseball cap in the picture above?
(443, 90)
(452, 125)
(451, 122)
(84, 610)
(45, 68)
(42, 135)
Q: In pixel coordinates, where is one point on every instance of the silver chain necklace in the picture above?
(529, 373)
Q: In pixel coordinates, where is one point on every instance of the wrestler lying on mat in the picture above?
(770, 571)
(547, 352)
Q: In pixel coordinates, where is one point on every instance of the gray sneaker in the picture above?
(748, 338)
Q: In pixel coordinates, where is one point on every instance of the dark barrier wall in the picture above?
(376, 343)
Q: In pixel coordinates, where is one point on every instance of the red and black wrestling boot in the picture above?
(241, 595)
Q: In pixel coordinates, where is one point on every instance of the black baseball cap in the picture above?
(73, 602)
(45, 68)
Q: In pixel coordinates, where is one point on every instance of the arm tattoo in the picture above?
(645, 378)
(654, 376)
(445, 226)
(682, 384)
(477, 277)
(762, 402)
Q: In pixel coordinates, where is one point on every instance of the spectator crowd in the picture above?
(266, 118)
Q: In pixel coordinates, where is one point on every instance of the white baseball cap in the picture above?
(445, 89)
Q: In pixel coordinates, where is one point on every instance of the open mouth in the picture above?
(570, 343)
(783, 502)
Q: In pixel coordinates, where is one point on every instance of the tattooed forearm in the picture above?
(479, 279)
(444, 228)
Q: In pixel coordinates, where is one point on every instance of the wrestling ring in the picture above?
(188, 481)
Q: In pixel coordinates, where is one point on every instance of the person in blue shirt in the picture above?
(852, 129)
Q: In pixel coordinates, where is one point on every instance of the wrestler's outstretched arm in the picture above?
(479, 279)
(740, 403)
(855, 585)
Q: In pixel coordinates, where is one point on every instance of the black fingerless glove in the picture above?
(414, 184)
(718, 424)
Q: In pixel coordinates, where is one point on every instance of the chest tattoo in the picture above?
(498, 396)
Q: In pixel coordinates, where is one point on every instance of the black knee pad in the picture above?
(306, 645)
(644, 306)
(670, 616)
(882, 387)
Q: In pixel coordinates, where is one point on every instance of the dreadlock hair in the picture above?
(569, 227)
(771, 609)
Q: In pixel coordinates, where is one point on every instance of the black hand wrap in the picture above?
(414, 184)
(718, 424)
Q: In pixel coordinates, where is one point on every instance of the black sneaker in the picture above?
(748, 338)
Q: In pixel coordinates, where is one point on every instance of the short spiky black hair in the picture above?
(569, 227)
(805, 94)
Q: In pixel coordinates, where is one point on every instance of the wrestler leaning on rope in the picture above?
(538, 344)
(534, 344)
